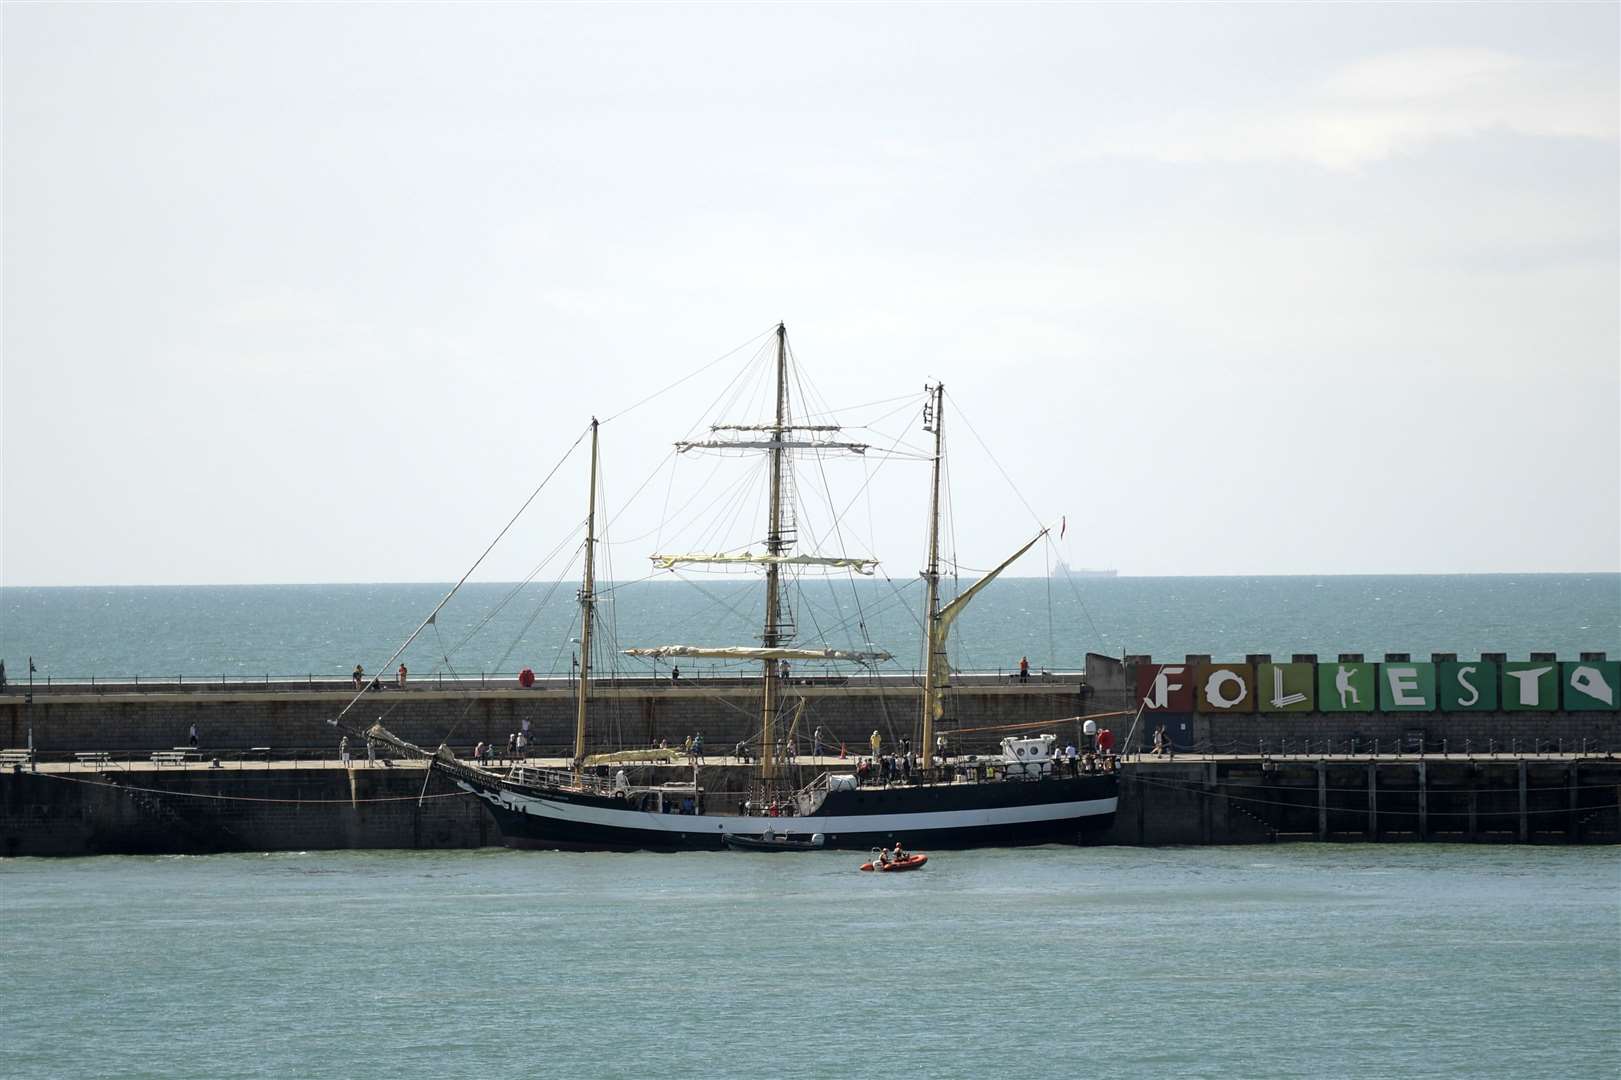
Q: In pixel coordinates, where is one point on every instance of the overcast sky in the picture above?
(319, 292)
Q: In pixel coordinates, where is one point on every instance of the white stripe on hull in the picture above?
(722, 824)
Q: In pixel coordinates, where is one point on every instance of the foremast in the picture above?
(587, 608)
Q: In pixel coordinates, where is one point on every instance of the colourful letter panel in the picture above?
(1165, 687)
(1592, 684)
(1226, 688)
(1530, 685)
(1406, 687)
(1345, 687)
(1467, 685)
(1285, 688)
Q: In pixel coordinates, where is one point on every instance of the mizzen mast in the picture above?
(938, 620)
(587, 607)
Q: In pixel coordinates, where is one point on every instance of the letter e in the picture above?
(1403, 685)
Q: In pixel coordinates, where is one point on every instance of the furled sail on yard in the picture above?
(860, 566)
(746, 652)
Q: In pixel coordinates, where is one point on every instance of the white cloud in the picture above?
(1392, 104)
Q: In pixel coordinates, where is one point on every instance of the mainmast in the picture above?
(587, 607)
(934, 661)
(773, 570)
(777, 646)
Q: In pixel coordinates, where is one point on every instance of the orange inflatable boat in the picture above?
(909, 862)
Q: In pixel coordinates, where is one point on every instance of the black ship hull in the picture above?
(940, 816)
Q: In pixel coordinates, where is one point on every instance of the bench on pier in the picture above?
(260, 752)
(93, 757)
(174, 757)
(15, 759)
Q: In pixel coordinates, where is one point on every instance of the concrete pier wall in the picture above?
(289, 720)
(293, 719)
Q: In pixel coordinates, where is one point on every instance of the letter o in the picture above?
(1213, 688)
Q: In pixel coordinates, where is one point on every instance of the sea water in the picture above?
(1299, 960)
(298, 630)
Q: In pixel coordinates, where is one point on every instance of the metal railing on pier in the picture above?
(716, 677)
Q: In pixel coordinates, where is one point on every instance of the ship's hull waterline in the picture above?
(943, 816)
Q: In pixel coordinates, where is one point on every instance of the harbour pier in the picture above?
(1486, 750)
(243, 804)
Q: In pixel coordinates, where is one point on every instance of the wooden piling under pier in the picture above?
(1565, 798)
(69, 808)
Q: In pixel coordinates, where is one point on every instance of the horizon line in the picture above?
(667, 580)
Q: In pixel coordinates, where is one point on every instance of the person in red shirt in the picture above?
(1106, 743)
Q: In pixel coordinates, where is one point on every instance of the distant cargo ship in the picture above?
(1063, 569)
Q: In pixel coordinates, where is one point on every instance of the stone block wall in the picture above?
(295, 720)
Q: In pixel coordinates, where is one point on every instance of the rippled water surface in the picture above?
(297, 630)
(1303, 960)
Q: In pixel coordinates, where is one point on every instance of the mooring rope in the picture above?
(251, 798)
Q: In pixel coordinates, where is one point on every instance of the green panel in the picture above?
(1467, 685)
(1345, 687)
(1592, 684)
(1406, 687)
(1530, 685)
(1275, 683)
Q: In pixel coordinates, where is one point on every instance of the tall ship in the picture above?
(1028, 793)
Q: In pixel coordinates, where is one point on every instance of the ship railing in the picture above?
(809, 798)
(530, 775)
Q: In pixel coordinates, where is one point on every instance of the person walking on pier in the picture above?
(399, 677)
(1160, 740)
(359, 677)
(371, 752)
(193, 736)
(876, 742)
(1024, 669)
(343, 751)
(816, 742)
